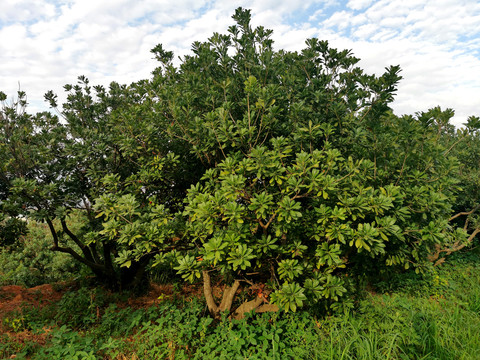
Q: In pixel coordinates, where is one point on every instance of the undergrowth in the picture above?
(436, 316)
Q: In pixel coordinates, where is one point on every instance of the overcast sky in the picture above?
(45, 44)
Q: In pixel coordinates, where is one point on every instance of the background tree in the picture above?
(464, 145)
(52, 167)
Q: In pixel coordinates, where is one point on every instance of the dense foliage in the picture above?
(285, 173)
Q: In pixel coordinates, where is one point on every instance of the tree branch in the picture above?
(86, 251)
(95, 267)
(457, 246)
(466, 213)
(247, 307)
(73, 253)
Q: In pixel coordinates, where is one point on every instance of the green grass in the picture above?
(434, 317)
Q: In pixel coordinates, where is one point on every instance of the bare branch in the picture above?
(457, 246)
(465, 213)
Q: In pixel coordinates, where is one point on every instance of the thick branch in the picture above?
(73, 253)
(265, 226)
(53, 232)
(455, 247)
(71, 235)
(458, 246)
(95, 267)
(247, 307)
(86, 251)
(228, 296)
(267, 308)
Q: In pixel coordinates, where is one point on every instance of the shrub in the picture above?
(30, 261)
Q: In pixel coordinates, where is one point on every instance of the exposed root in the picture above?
(259, 304)
(246, 307)
(267, 308)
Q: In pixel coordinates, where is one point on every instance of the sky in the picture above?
(45, 44)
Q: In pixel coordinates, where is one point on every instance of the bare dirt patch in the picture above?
(161, 292)
(14, 297)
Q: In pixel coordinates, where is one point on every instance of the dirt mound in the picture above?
(14, 297)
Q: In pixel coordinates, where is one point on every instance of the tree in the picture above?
(104, 141)
(465, 145)
(311, 179)
(285, 174)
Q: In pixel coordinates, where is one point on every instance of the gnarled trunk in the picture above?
(258, 304)
(132, 278)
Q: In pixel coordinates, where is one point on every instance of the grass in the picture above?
(432, 317)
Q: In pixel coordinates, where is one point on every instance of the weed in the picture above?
(81, 308)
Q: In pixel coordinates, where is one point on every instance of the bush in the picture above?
(30, 262)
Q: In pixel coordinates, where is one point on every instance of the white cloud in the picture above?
(316, 15)
(46, 44)
(339, 20)
(25, 10)
(436, 43)
(358, 4)
(365, 31)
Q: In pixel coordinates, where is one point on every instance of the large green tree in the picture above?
(464, 144)
(285, 174)
(311, 178)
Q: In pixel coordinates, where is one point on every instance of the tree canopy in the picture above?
(286, 173)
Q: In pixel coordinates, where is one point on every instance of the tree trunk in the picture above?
(258, 304)
(134, 278)
(227, 298)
